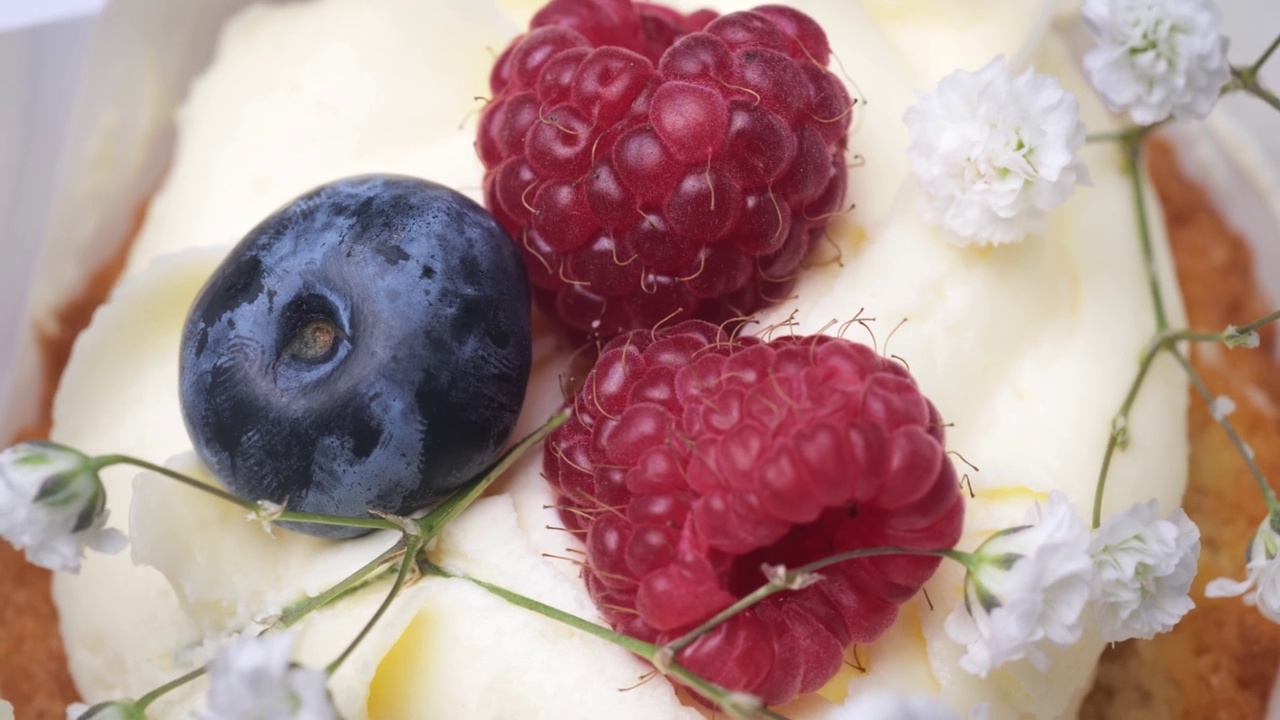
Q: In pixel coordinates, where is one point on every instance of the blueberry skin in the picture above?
(365, 347)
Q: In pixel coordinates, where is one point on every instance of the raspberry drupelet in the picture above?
(654, 165)
(692, 458)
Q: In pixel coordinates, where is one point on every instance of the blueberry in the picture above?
(367, 347)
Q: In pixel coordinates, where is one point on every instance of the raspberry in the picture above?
(692, 458)
(654, 166)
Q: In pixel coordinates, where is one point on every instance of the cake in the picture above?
(1018, 305)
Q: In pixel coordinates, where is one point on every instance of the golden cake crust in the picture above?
(1221, 660)
(1219, 663)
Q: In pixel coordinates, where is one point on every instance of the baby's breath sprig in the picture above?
(1159, 61)
(1132, 139)
(258, 509)
(1167, 340)
(1245, 77)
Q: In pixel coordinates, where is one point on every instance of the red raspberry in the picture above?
(653, 165)
(692, 458)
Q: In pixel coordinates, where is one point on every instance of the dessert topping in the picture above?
(366, 348)
(693, 458)
(653, 165)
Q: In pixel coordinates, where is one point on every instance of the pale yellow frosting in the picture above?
(1026, 349)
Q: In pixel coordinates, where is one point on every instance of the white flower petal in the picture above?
(1041, 597)
(1144, 567)
(1226, 587)
(994, 153)
(1156, 58)
(44, 524)
(1261, 586)
(253, 678)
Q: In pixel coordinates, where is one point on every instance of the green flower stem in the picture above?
(650, 652)
(433, 522)
(412, 543)
(1265, 56)
(1119, 436)
(1246, 79)
(796, 579)
(285, 516)
(1222, 336)
(1265, 319)
(1273, 504)
(1164, 339)
(626, 642)
(146, 700)
(360, 578)
(1197, 336)
(1133, 148)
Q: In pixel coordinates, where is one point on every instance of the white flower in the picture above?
(1156, 58)
(1028, 585)
(1262, 574)
(887, 705)
(253, 679)
(51, 504)
(1144, 568)
(6, 710)
(995, 153)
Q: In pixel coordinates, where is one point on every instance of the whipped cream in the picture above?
(1026, 349)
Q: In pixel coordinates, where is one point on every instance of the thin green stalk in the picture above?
(1247, 79)
(1120, 426)
(1180, 335)
(146, 700)
(1134, 150)
(648, 651)
(367, 573)
(413, 543)
(793, 579)
(284, 516)
(104, 461)
(433, 522)
(626, 642)
(1273, 504)
(1223, 336)
(1266, 55)
(1268, 318)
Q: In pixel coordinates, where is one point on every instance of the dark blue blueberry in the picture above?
(365, 347)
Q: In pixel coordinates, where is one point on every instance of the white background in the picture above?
(17, 14)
